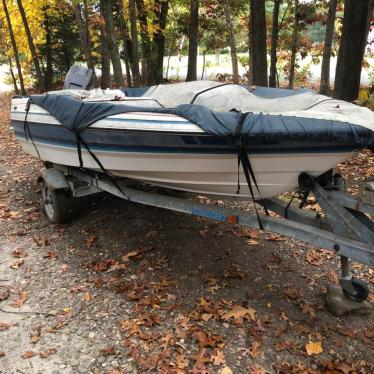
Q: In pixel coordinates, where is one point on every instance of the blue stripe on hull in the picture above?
(142, 149)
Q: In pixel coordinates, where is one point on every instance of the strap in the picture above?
(206, 90)
(247, 167)
(26, 129)
(105, 172)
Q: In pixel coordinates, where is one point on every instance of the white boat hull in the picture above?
(207, 174)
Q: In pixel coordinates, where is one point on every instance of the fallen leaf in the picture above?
(17, 264)
(4, 293)
(218, 358)
(130, 255)
(90, 241)
(108, 351)
(313, 348)
(226, 370)
(5, 326)
(19, 253)
(256, 349)
(2, 354)
(22, 298)
(28, 354)
(238, 313)
(47, 353)
(369, 333)
(64, 268)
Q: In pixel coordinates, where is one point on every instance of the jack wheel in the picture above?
(361, 288)
(54, 204)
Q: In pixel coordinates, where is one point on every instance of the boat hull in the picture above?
(209, 174)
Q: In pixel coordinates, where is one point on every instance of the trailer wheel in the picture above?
(361, 288)
(54, 204)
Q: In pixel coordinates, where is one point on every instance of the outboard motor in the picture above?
(78, 78)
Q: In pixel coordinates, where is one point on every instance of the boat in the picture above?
(187, 136)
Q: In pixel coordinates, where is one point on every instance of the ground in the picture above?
(125, 288)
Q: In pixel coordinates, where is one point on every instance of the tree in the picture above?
(274, 44)
(158, 47)
(107, 14)
(48, 48)
(126, 41)
(329, 36)
(357, 14)
(193, 37)
(134, 41)
(105, 61)
(258, 43)
(231, 39)
(35, 57)
(14, 47)
(294, 45)
(84, 34)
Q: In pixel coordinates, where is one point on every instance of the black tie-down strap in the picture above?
(111, 177)
(26, 129)
(243, 159)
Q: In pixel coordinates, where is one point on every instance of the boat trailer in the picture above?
(345, 227)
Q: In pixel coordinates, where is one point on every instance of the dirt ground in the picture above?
(125, 288)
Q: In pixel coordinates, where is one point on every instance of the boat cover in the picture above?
(272, 115)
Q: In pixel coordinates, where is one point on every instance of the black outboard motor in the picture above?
(78, 78)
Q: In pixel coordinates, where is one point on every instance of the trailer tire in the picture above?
(54, 204)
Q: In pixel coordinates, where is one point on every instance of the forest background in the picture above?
(277, 43)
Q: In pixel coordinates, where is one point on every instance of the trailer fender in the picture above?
(54, 179)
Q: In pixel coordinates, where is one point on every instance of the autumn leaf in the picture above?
(17, 264)
(64, 268)
(218, 358)
(90, 241)
(256, 349)
(226, 370)
(4, 293)
(313, 348)
(108, 351)
(28, 354)
(181, 361)
(19, 253)
(47, 353)
(130, 255)
(5, 326)
(22, 298)
(238, 313)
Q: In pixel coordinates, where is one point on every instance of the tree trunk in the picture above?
(329, 36)
(159, 42)
(84, 38)
(48, 52)
(250, 46)
(193, 37)
(16, 90)
(145, 40)
(232, 44)
(274, 44)
(295, 42)
(35, 57)
(107, 14)
(126, 41)
(134, 42)
(14, 47)
(105, 61)
(357, 14)
(258, 37)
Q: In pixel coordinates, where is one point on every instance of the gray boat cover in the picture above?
(78, 115)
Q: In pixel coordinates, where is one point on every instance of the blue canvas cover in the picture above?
(77, 116)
